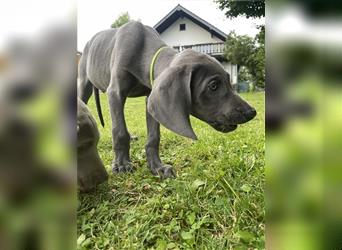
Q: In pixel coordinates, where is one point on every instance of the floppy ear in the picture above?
(170, 100)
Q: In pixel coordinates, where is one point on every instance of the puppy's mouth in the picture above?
(224, 128)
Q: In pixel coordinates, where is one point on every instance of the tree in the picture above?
(244, 50)
(248, 52)
(244, 75)
(260, 37)
(238, 49)
(121, 20)
(234, 8)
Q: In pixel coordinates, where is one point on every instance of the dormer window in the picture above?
(182, 26)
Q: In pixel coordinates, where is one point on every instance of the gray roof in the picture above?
(178, 12)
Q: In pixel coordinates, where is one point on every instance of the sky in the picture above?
(94, 16)
(33, 16)
(27, 19)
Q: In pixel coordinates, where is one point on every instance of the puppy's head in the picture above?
(197, 84)
(90, 169)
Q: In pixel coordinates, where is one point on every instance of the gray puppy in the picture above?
(90, 169)
(127, 61)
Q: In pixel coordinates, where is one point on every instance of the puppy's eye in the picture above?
(213, 85)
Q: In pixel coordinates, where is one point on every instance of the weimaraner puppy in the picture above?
(90, 169)
(133, 61)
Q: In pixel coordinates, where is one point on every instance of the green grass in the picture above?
(216, 201)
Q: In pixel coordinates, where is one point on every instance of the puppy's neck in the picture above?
(163, 60)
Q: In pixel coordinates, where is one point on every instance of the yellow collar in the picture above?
(154, 58)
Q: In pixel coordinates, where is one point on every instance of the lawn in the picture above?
(216, 201)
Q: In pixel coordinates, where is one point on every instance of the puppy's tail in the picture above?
(98, 105)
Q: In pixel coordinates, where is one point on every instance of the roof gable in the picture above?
(179, 12)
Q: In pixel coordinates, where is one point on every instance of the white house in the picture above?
(183, 29)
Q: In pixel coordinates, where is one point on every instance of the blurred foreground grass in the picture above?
(303, 171)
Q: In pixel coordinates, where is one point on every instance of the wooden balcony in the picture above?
(213, 49)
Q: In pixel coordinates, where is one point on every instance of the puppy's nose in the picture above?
(250, 114)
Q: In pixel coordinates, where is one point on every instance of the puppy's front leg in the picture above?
(121, 137)
(152, 149)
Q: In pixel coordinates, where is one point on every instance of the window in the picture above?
(182, 26)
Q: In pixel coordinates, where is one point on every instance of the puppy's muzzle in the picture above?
(229, 122)
(241, 115)
(249, 114)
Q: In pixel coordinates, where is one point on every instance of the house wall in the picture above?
(232, 70)
(193, 34)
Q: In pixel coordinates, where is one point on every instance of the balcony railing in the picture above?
(207, 48)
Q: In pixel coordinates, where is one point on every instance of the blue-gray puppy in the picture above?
(90, 169)
(133, 61)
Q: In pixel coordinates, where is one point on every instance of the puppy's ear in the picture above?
(170, 100)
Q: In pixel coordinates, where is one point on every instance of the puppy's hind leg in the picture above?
(84, 90)
(152, 149)
(84, 86)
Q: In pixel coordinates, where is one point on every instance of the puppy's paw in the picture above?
(122, 168)
(164, 172)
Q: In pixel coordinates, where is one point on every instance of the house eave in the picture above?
(180, 12)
